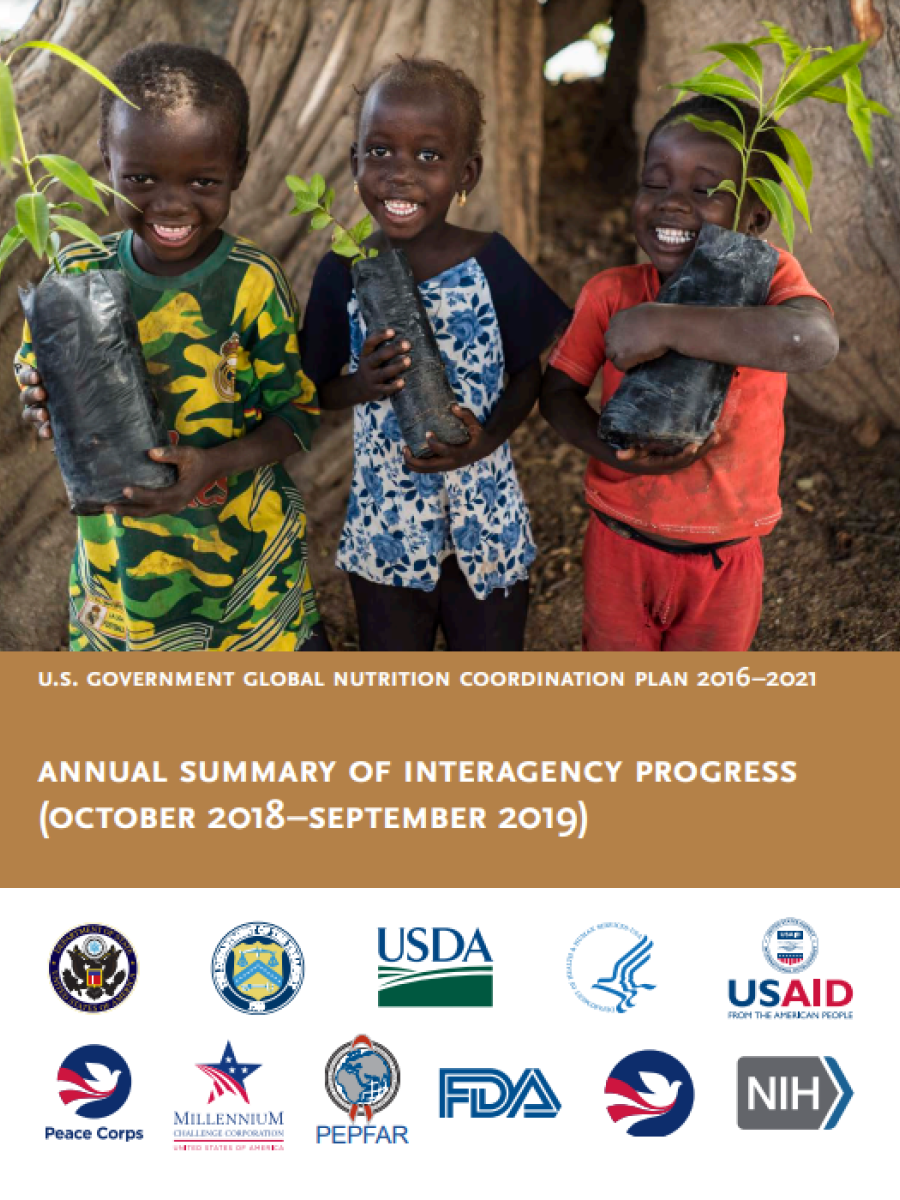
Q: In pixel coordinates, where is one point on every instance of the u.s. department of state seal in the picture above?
(790, 945)
(257, 968)
(93, 968)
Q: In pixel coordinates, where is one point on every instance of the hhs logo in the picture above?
(490, 1093)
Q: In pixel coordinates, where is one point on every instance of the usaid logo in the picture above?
(434, 968)
(790, 946)
(491, 1093)
(791, 1093)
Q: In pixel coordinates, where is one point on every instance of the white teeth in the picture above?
(173, 233)
(401, 208)
(674, 237)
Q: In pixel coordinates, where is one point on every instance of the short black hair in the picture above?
(163, 76)
(711, 108)
(434, 75)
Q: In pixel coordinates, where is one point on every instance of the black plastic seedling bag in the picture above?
(389, 299)
(102, 409)
(673, 401)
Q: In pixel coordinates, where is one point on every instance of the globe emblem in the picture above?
(362, 1074)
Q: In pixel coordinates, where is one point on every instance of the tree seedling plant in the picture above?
(82, 326)
(808, 73)
(674, 401)
(389, 299)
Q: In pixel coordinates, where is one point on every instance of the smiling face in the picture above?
(411, 159)
(672, 203)
(180, 169)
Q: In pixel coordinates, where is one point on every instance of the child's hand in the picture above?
(195, 470)
(637, 335)
(34, 398)
(450, 458)
(642, 460)
(378, 374)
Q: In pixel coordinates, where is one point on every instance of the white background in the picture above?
(174, 1019)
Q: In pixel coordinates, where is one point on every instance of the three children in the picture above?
(672, 558)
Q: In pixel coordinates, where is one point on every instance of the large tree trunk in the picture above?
(853, 254)
(300, 60)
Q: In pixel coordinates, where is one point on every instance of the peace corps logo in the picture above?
(257, 968)
(790, 945)
(93, 968)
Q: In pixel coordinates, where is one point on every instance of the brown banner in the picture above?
(532, 770)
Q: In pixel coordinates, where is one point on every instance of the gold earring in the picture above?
(356, 188)
(461, 199)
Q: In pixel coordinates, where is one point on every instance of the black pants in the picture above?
(399, 618)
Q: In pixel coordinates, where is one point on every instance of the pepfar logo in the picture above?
(790, 946)
(434, 967)
(652, 1092)
(791, 1093)
(491, 1093)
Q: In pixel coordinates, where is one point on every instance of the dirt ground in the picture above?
(832, 563)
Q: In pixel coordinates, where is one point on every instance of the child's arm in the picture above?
(512, 408)
(564, 405)
(797, 335)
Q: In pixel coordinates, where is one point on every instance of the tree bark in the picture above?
(853, 254)
(301, 60)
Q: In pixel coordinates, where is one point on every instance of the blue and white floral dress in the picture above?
(492, 316)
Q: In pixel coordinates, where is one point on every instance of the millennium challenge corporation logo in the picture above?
(231, 1124)
(435, 968)
(93, 968)
(790, 945)
(258, 968)
(362, 1074)
(602, 964)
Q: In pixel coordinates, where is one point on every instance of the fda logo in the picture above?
(490, 1093)
(791, 1093)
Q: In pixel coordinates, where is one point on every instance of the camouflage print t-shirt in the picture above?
(229, 572)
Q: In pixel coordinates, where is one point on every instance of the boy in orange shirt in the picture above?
(672, 557)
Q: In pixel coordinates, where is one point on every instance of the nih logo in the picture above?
(490, 1093)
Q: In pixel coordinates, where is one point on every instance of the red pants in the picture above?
(639, 598)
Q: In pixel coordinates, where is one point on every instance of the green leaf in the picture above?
(111, 191)
(304, 199)
(79, 229)
(727, 185)
(33, 217)
(321, 220)
(8, 136)
(317, 186)
(858, 111)
(76, 61)
(11, 242)
(777, 203)
(344, 245)
(744, 58)
(373, 254)
(67, 206)
(879, 108)
(838, 95)
(73, 175)
(362, 229)
(719, 128)
(717, 85)
(297, 185)
(327, 200)
(790, 50)
(797, 152)
(707, 70)
(818, 73)
(792, 185)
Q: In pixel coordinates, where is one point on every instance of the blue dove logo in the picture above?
(588, 966)
(621, 982)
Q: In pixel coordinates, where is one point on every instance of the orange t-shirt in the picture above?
(733, 491)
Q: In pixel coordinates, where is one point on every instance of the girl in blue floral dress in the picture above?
(443, 541)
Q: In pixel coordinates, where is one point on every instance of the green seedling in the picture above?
(316, 199)
(41, 217)
(808, 73)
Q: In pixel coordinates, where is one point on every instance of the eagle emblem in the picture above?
(93, 968)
